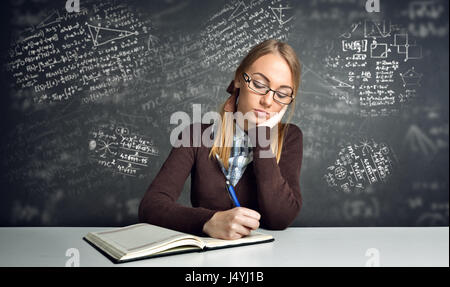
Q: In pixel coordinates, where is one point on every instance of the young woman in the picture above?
(267, 187)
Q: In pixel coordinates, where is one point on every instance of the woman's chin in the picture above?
(260, 121)
(252, 121)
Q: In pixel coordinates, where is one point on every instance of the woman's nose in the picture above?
(267, 99)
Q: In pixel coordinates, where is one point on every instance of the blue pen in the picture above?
(232, 193)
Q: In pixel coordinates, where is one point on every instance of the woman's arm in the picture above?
(159, 206)
(278, 185)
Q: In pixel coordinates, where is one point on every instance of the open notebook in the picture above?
(144, 240)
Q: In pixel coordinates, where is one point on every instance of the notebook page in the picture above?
(140, 236)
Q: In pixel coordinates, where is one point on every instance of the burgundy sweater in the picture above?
(271, 189)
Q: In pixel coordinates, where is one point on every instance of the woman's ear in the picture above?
(237, 83)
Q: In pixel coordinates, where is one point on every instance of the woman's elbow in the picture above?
(277, 223)
(146, 212)
(275, 226)
(281, 222)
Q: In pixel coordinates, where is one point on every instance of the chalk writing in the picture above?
(117, 149)
(230, 33)
(84, 54)
(367, 70)
(360, 165)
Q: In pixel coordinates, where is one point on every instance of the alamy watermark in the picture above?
(197, 139)
(374, 257)
(373, 6)
(72, 6)
(74, 257)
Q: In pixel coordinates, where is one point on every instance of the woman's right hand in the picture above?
(232, 224)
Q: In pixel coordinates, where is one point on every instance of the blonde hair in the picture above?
(224, 141)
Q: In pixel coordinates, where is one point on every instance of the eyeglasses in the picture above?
(284, 96)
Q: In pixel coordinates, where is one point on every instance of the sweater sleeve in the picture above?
(278, 185)
(159, 206)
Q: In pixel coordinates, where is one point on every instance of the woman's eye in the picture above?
(284, 92)
(258, 84)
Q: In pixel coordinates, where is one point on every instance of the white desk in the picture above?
(297, 246)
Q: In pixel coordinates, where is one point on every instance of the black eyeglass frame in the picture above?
(248, 79)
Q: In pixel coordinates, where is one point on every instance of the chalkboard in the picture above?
(88, 95)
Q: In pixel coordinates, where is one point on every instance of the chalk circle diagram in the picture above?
(340, 172)
(121, 131)
(105, 147)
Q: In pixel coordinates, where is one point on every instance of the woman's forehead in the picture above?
(274, 68)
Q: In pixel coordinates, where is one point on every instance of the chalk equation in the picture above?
(429, 212)
(231, 32)
(427, 18)
(84, 55)
(121, 151)
(373, 67)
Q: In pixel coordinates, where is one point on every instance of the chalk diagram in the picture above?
(340, 84)
(411, 51)
(52, 18)
(373, 29)
(101, 35)
(238, 11)
(419, 142)
(379, 51)
(411, 77)
(279, 14)
(360, 165)
(348, 34)
(107, 147)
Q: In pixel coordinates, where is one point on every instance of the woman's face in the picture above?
(274, 72)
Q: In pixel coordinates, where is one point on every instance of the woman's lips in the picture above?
(261, 114)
